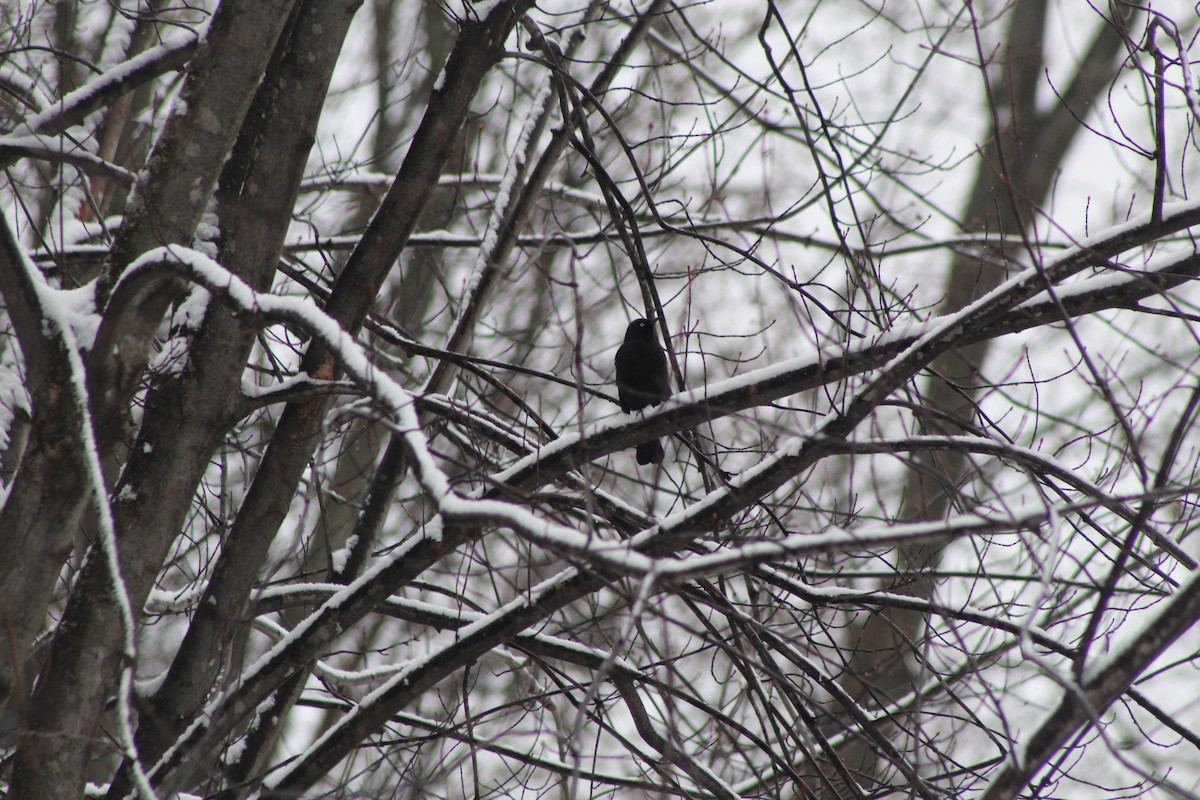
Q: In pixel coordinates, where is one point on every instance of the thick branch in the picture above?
(1084, 704)
(176, 188)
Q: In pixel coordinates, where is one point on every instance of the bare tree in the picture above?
(315, 483)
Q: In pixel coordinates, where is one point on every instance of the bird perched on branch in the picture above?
(642, 379)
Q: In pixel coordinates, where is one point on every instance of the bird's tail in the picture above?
(650, 452)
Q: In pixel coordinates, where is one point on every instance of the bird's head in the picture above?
(642, 329)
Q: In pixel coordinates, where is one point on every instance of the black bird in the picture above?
(642, 379)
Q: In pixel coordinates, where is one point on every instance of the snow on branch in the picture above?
(103, 89)
(397, 402)
(1103, 682)
(46, 148)
(58, 327)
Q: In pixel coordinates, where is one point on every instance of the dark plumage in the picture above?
(642, 379)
